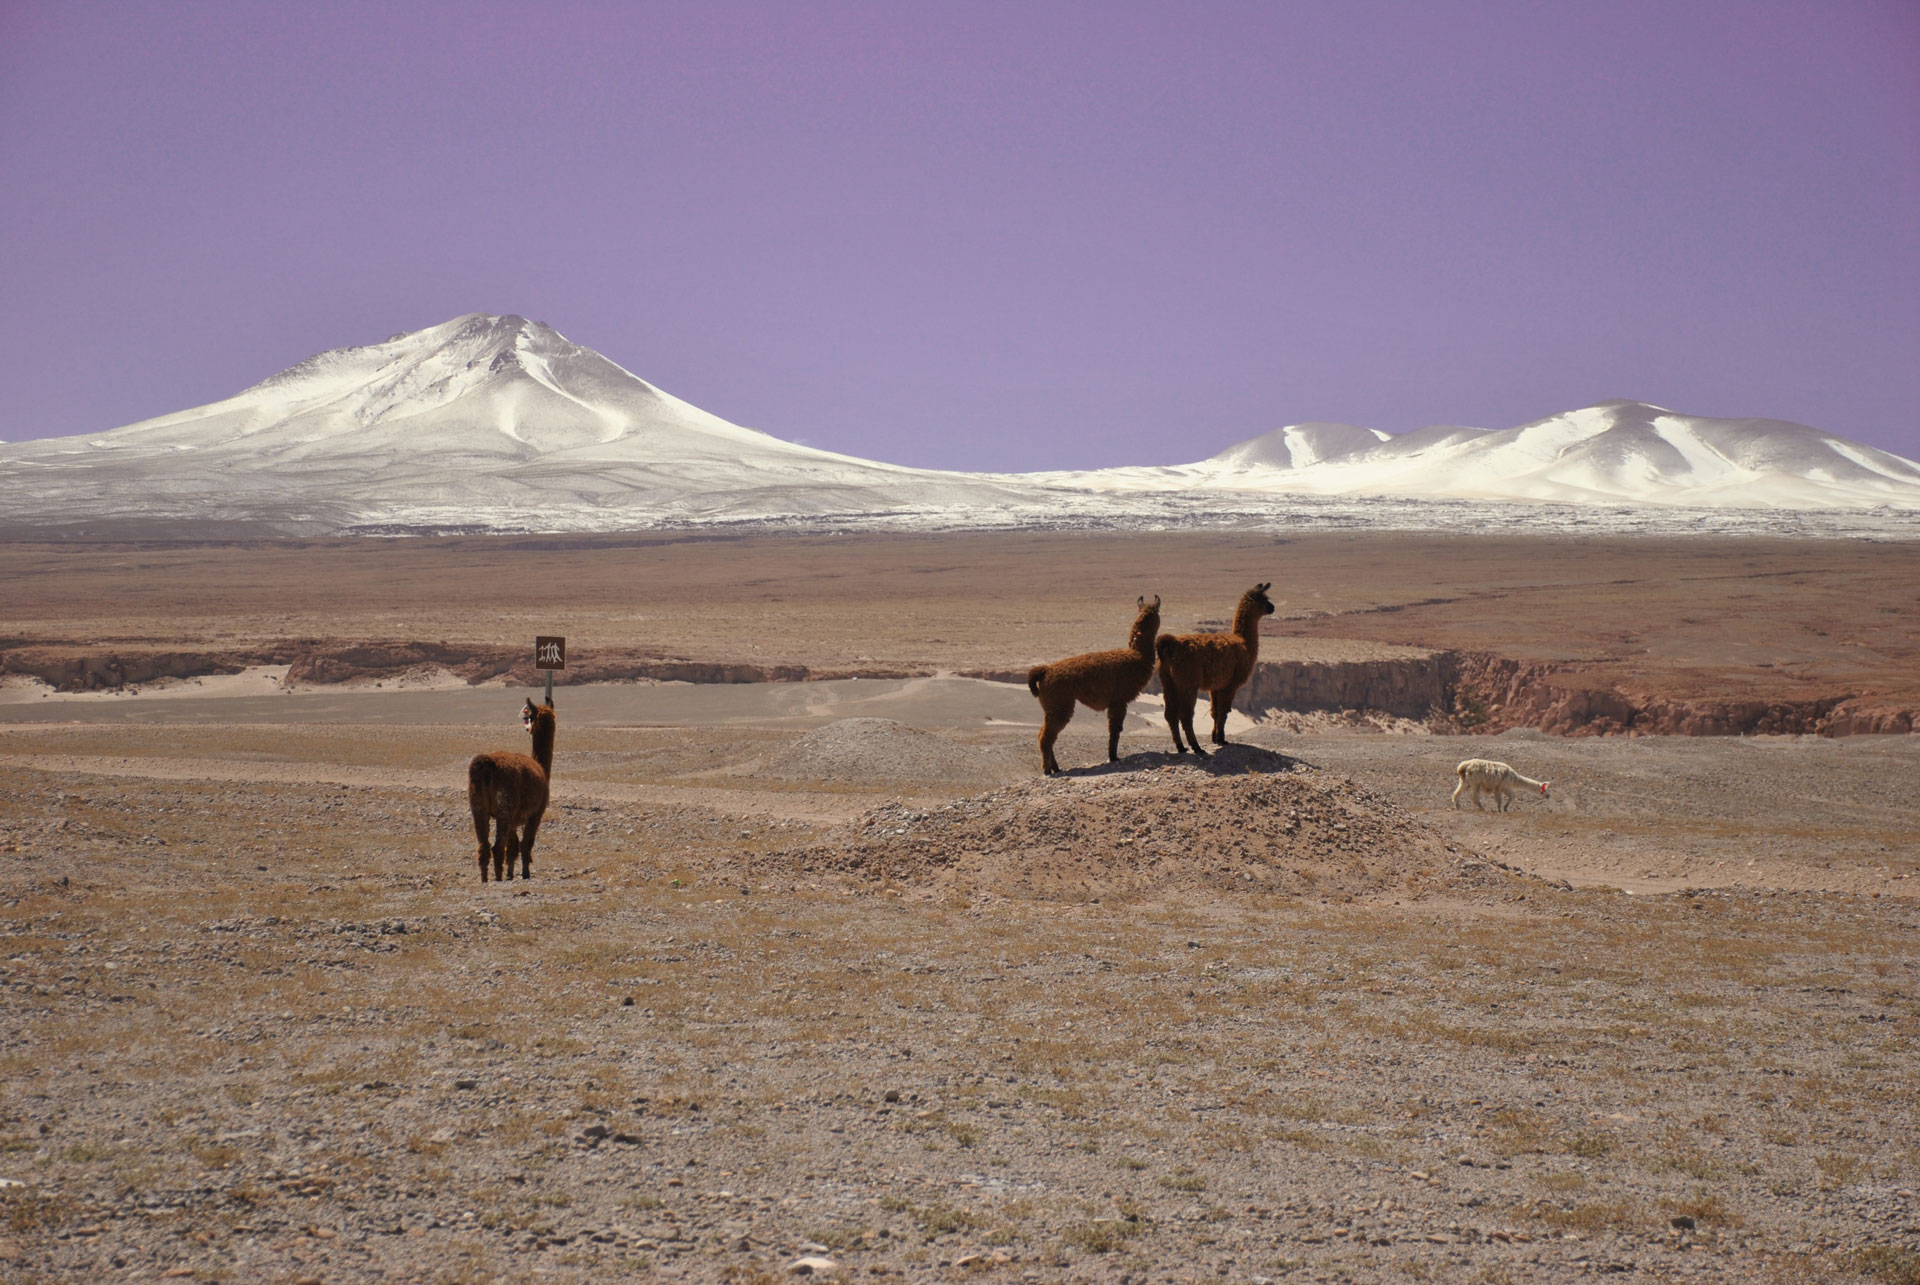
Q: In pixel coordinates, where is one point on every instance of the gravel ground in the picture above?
(262, 1022)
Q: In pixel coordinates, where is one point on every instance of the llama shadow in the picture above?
(1236, 759)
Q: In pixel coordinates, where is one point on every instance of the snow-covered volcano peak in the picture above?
(479, 385)
(424, 370)
(485, 420)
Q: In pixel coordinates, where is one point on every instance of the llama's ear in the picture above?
(1156, 602)
(1141, 602)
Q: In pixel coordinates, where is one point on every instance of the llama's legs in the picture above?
(1478, 790)
(480, 829)
(526, 846)
(1172, 695)
(1503, 796)
(1056, 720)
(1116, 719)
(1222, 701)
(1187, 701)
(502, 837)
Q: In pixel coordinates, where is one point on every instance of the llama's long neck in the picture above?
(543, 743)
(1145, 631)
(1246, 624)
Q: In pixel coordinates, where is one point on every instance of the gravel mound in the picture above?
(864, 750)
(1246, 819)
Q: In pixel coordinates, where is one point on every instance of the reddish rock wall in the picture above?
(1492, 693)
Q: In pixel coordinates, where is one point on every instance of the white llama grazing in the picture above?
(1481, 775)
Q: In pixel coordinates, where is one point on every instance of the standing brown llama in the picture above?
(1216, 663)
(511, 791)
(1106, 680)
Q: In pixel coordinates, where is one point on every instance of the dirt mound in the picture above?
(1246, 819)
(866, 750)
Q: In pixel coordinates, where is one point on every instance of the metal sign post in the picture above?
(549, 653)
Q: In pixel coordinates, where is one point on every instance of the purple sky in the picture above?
(1029, 235)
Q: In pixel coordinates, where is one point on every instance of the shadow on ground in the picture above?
(1225, 760)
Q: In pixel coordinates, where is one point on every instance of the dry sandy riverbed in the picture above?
(1288, 1018)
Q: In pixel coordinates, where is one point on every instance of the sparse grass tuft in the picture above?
(1590, 1145)
(1837, 1169)
(1100, 1236)
(1703, 1207)
(1594, 1216)
(1888, 1264)
(214, 1155)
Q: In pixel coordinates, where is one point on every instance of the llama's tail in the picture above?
(482, 773)
(1035, 677)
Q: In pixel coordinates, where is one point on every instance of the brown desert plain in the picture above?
(817, 975)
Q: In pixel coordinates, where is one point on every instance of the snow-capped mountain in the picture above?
(484, 421)
(1617, 452)
(501, 424)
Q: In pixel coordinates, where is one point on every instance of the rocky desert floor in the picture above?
(824, 978)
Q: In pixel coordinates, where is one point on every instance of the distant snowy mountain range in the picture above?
(500, 424)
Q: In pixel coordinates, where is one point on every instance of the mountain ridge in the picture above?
(496, 422)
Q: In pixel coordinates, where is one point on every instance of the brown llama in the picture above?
(1106, 680)
(511, 791)
(1215, 663)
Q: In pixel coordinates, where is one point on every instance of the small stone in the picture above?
(812, 1265)
(627, 1002)
(466, 1084)
(891, 1095)
(1681, 1222)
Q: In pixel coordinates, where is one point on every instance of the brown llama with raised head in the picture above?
(510, 790)
(1215, 663)
(1099, 680)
